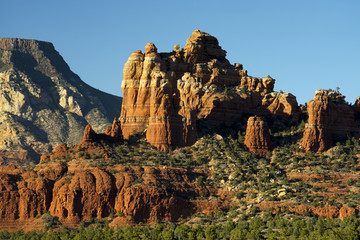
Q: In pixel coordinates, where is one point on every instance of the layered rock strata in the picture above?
(166, 93)
(330, 119)
(257, 137)
(43, 103)
(73, 192)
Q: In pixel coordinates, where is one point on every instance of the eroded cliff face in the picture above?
(330, 119)
(74, 191)
(166, 93)
(257, 137)
(43, 103)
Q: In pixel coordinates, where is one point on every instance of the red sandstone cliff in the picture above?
(73, 191)
(166, 93)
(330, 119)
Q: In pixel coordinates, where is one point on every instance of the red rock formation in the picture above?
(73, 192)
(89, 134)
(257, 137)
(165, 93)
(23, 195)
(112, 133)
(327, 211)
(202, 47)
(280, 103)
(330, 118)
(346, 211)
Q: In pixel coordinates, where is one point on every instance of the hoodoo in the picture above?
(257, 137)
(330, 119)
(166, 93)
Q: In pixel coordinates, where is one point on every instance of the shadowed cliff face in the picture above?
(43, 103)
(166, 93)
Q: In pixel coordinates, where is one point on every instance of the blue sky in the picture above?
(304, 45)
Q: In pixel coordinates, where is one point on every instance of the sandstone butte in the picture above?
(165, 94)
(257, 137)
(330, 119)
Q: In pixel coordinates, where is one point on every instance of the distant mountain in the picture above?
(43, 103)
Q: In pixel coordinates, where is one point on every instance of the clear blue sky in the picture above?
(304, 45)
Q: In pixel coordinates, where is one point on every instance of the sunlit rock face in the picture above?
(257, 137)
(165, 94)
(330, 119)
(73, 192)
(43, 103)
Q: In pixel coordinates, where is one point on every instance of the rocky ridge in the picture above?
(165, 94)
(43, 103)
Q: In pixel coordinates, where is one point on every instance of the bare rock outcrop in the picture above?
(73, 192)
(280, 103)
(257, 137)
(166, 93)
(330, 119)
(89, 134)
(113, 133)
(43, 103)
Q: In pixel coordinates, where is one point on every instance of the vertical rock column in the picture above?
(330, 118)
(134, 111)
(317, 137)
(159, 132)
(257, 137)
